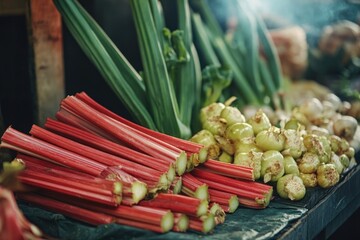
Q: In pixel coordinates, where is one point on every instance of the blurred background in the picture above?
(317, 40)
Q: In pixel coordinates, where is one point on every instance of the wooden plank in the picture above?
(338, 203)
(12, 7)
(327, 210)
(342, 217)
(45, 37)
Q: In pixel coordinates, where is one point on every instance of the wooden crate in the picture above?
(46, 52)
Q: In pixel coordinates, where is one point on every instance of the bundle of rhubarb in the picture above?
(310, 146)
(95, 166)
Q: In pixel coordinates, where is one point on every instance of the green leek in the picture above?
(109, 61)
(160, 90)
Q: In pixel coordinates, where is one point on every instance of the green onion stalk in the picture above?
(112, 65)
(160, 90)
(246, 33)
(223, 52)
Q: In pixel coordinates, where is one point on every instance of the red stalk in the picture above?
(79, 193)
(177, 142)
(125, 133)
(138, 213)
(178, 203)
(237, 183)
(78, 213)
(231, 201)
(119, 130)
(132, 187)
(135, 214)
(105, 145)
(191, 182)
(261, 199)
(41, 175)
(181, 222)
(192, 187)
(128, 201)
(230, 170)
(23, 143)
(141, 225)
(130, 167)
(59, 171)
(225, 207)
(251, 203)
(203, 224)
(220, 197)
(67, 117)
(257, 192)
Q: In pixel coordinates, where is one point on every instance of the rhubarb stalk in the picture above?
(108, 146)
(228, 200)
(177, 142)
(130, 167)
(205, 223)
(192, 187)
(230, 170)
(178, 203)
(78, 213)
(125, 133)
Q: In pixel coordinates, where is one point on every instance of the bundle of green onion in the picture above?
(174, 84)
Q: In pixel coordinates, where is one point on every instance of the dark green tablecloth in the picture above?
(243, 224)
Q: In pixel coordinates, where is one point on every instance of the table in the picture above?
(330, 212)
(319, 214)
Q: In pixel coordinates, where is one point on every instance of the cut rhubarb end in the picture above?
(203, 155)
(189, 165)
(218, 212)
(268, 196)
(233, 204)
(267, 177)
(250, 203)
(181, 163)
(262, 201)
(171, 173)
(167, 221)
(181, 223)
(176, 185)
(203, 224)
(194, 157)
(139, 191)
(208, 223)
(163, 181)
(202, 192)
(202, 208)
(118, 199)
(118, 188)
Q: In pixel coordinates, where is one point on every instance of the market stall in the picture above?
(207, 125)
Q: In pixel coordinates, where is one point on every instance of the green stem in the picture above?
(269, 48)
(129, 91)
(160, 91)
(185, 81)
